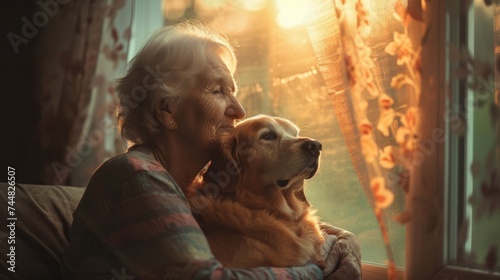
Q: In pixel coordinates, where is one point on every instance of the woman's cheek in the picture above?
(207, 116)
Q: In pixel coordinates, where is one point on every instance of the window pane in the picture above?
(478, 237)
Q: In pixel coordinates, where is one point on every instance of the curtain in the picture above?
(371, 66)
(496, 94)
(79, 53)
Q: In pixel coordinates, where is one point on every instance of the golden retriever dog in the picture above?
(251, 204)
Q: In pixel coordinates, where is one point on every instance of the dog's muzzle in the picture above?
(313, 147)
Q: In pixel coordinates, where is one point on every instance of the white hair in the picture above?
(175, 60)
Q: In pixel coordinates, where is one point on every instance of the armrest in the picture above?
(40, 231)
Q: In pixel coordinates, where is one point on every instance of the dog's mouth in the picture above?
(314, 166)
(309, 171)
(283, 183)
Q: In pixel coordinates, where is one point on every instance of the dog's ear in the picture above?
(224, 169)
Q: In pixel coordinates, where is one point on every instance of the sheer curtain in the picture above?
(371, 65)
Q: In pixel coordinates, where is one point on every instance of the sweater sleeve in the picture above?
(345, 255)
(151, 231)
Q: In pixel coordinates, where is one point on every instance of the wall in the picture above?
(19, 106)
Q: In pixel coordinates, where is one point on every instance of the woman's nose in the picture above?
(234, 110)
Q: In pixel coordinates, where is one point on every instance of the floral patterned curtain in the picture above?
(371, 67)
(495, 109)
(79, 54)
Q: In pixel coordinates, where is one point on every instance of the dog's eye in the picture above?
(269, 135)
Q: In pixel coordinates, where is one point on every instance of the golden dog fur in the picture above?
(251, 204)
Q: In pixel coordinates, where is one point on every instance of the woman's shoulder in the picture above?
(136, 158)
(136, 161)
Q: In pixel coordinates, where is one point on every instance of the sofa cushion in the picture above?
(44, 215)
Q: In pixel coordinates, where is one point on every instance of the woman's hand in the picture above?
(344, 259)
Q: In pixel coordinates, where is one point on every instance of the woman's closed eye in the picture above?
(215, 89)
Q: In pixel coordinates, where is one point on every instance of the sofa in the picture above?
(36, 229)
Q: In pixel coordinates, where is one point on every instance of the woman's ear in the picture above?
(164, 115)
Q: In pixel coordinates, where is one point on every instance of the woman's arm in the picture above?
(344, 260)
(153, 234)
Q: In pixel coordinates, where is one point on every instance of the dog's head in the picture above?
(264, 159)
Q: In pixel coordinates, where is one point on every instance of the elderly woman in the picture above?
(134, 219)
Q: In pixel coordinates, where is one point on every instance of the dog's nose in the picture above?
(312, 146)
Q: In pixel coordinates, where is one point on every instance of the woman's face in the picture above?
(204, 114)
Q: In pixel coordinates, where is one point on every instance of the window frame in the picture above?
(432, 254)
(373, 271)
(425, 257)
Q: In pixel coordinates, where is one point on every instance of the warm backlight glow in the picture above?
(210, 7)
(253, 5)
(174, 9)
(291, 12)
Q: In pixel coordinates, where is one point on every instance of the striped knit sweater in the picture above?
(134, 222)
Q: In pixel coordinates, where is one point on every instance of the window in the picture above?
(462, 246)
(476, 241)
(474, 150)
(448, 237)
(284, 80)
(278, 75)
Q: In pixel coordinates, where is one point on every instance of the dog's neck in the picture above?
(289, 204)
(285, 205)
